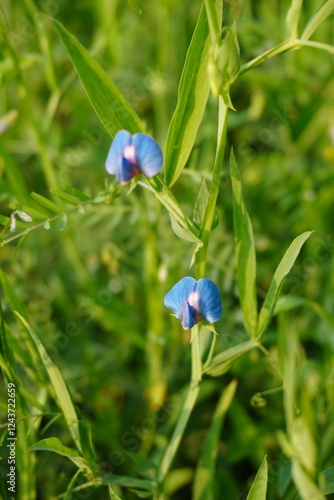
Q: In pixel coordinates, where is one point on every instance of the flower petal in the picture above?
(190, 316)
(176, 298)
(210, 305)
(148, 154)
(125, 169)
(122, 139)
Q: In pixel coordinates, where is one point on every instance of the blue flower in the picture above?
(129, 155)
(194, 301)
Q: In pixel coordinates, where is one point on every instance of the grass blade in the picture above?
(245, 252)
(111, 107)
(193, 94)
(276, 285)
(63, 396)
(203, 482)
(258, 490)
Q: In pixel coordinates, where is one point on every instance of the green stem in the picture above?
(316, 45)
(279, 49)
(196, 361)
(178, 431)
(42, 224)
(212, 21)
(213, 193)
(167, 198)
(196, 371)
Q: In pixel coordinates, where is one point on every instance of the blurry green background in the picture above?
(95, 291)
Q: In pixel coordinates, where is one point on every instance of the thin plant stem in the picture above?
(213, 193)
(279, 49)
(196, 373)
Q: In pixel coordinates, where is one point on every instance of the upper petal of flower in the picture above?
(210, 305)
(148, 154)
(114, 159)
(178, 296)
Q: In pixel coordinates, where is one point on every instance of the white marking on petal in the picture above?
(130, 153)
(193, 300)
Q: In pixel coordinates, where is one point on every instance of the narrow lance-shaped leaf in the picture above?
(112, 494)
(245, 252)
(258, 490)
(50, 205)
(281, 272)
(222, 361)
(55, 445)
(327, 479)
(111, 107)
(64, 399)
(193, 94)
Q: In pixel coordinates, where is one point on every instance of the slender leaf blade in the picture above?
(327, 477)
(276, 285)
(70, 488)
(50, 205)
(193, 94)
(111, 107)
(258, 489)
(245, 252)
(64, 399)
(221, 362)
(112, 494)
(55, 445)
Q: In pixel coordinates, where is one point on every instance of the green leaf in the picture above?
(317, 19)
(205, 472)
(34, 214)
(129, 482)
(245, 252)
(193, 94)
(177, 479)
(258, 490)
(281, 272)
(63, 222)
(65, 196)
(292, 18)
(112, 494)
(75, 192)
(70, 488)
(63, 397)
(222, 361)
(304, 483)
(182, 232)
(113, 110)
(201, 201)
(327, 480)
(46, 203)
(54, 444)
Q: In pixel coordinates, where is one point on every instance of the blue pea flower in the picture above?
(194, 301)
(129, 155)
